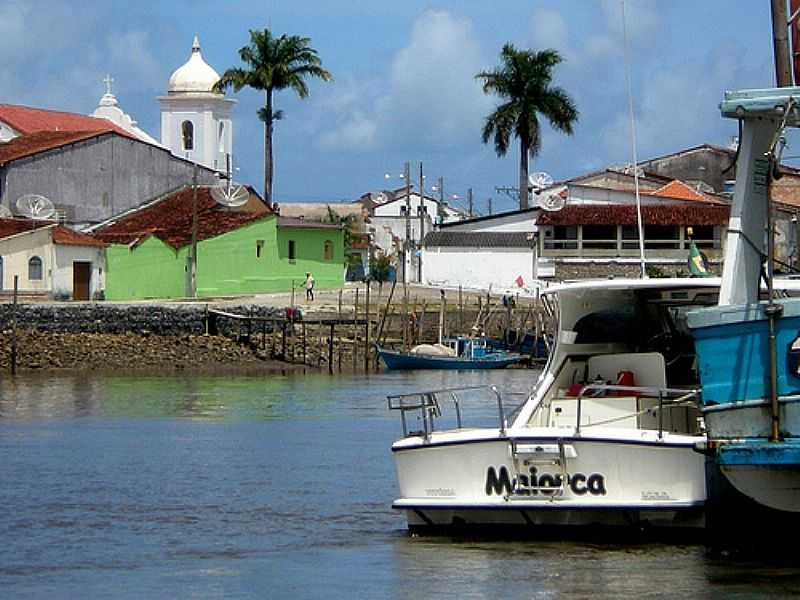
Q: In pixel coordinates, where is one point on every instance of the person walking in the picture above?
(309, 285)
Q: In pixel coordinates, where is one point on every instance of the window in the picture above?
(663, 237)
(187, 131)
(259, 248)
(292, 255)
(600, 236)
(564, 237)
(328, 250)
(630, 237)
(402, 209)
(35, 269)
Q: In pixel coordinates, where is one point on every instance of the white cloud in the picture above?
(430, 97)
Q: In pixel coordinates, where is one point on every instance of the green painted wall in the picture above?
(151, 270)
(229, 264)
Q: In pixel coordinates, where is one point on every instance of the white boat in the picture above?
(606, 438)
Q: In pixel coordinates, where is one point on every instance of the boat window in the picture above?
(618, 325)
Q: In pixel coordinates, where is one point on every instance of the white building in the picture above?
(50, 259)
(497, 252)
(196, 120)
(108, 108)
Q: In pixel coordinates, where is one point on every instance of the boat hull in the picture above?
(605, 483)
(406, 361)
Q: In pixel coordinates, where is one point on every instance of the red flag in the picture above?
(519, 281)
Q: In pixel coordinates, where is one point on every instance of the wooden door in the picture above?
(81, 280)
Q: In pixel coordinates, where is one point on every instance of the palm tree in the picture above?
(523, 82)
(273, 64)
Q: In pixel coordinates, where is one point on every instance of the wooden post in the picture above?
(460, 310)
(14, 328)
(441, 315)
(321, 347)
(330, 348)
(355, 332)
(292, 304)
(421, 322)
(283, 342)
(339, 358)
(367, 332)
(405, 318)
(305, 360)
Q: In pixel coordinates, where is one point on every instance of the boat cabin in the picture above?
(624, 356)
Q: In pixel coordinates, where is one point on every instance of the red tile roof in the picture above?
(678, 190)
(69, 237)
(674, 214)
(42, 141)
(170, 220)
(14, 226)
(61, 234)
(28, 120)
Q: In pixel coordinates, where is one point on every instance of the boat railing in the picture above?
(667, 398)
(428, 405)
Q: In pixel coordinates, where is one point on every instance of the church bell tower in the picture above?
(195, 119)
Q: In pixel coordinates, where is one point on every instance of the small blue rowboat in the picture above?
(472, 354)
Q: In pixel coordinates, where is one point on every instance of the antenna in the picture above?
(35, 206)
(5, 213)
(539, 181)
(228, 193)
(551, 202)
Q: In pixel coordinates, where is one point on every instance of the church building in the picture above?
(195, 119)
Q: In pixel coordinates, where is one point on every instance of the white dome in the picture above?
(196, 76)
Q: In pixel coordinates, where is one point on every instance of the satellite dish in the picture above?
(551, 202)
(539, 181)
(35, 206)
(381, 198)
(5, 213)
(230, 194)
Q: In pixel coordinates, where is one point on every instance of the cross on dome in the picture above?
(109, 81)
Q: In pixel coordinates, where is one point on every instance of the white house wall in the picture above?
(477, 268)
(17, 250)
(64, 256)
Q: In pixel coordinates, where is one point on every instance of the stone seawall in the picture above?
(115, 319)
(101, 337)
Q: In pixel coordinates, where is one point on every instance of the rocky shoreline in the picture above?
(43, 351)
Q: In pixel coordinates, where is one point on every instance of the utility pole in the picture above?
(780, 43)
(407, 245)
(490, 203)
(194, 232)
(469, 200)
(422, 213)
(440, 208)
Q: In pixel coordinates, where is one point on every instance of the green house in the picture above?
(247, 250)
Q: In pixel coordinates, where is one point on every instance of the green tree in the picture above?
(273, 64)
(523, 81)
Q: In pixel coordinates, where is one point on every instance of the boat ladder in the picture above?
(526, 456)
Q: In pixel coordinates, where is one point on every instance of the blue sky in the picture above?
(404, 87)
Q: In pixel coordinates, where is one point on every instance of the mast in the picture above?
(780, 43)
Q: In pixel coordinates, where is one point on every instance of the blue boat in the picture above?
(455, 354)
(748, 348)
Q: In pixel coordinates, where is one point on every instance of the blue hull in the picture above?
(405, 361)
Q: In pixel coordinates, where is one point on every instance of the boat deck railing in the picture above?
(428, 405)
(667, 399)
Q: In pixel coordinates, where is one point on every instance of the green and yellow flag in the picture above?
(698, 263)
